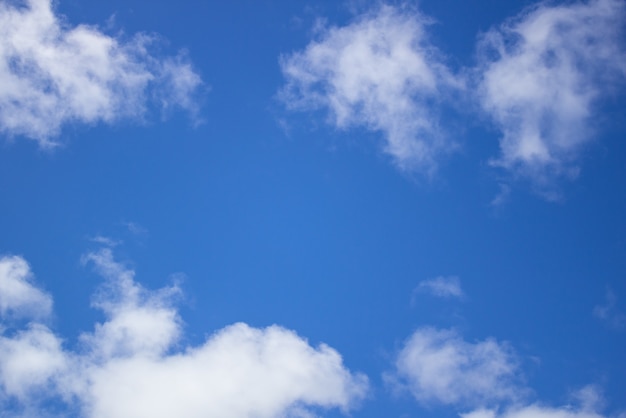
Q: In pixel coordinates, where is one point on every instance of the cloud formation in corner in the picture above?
(378, 72)
(443, 287)
(52, 74)
(536, 411)
(540, 77)
(133, 363)
(542, 74)
(438, 366)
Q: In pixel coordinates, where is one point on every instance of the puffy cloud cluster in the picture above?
(539, 78)
(438, 366)
(133, 363)
(379, 72)
(52, 74)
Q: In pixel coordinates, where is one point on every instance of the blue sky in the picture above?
(296, 209)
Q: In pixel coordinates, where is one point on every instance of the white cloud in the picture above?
(542, 75)
(534, 411)
(18, 295)
(52, 74)
(381, 73)
(133, 364)
(444, 287)
(438, 366)
(28, 361)
(584, 410)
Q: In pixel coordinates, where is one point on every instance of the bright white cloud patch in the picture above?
(18, 295)
(52, 74)
(378, 72)
(542, 75)
(133, 364)
(443, 287)
(438, 366)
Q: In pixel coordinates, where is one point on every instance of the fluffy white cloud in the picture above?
(52, 74)
(132, 364)
(542, 74)
(29, 360)
(18, 295)
(381, 73)
(444, 287)
(439, 366)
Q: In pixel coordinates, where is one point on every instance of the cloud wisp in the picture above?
(379, 72)
(442, 287)
(133, 364)
(438, 366)
(609, 311)
(53, 74)
(542, 75)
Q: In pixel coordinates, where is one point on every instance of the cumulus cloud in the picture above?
(52, 74)
(19, 297)
(379, 72)
(542, 75)
(133, 364)
(443, 287)
(438, 366)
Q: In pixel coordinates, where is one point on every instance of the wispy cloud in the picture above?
(542, 74)
(379, 72)
(53, 74)
(443, 287)
(609, 312)
(133, 364)
(438, 366)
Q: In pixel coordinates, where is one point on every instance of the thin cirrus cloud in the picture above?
(443, 287)
(133, 363)
(438, 367)
(542, 75)
(53, 74)
(379, 72)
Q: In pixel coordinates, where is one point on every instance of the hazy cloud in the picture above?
(609, 312)
(379, 72)
(134, 364)
(542, 74)
(52, 74)
(438, 366)
(443, 287)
